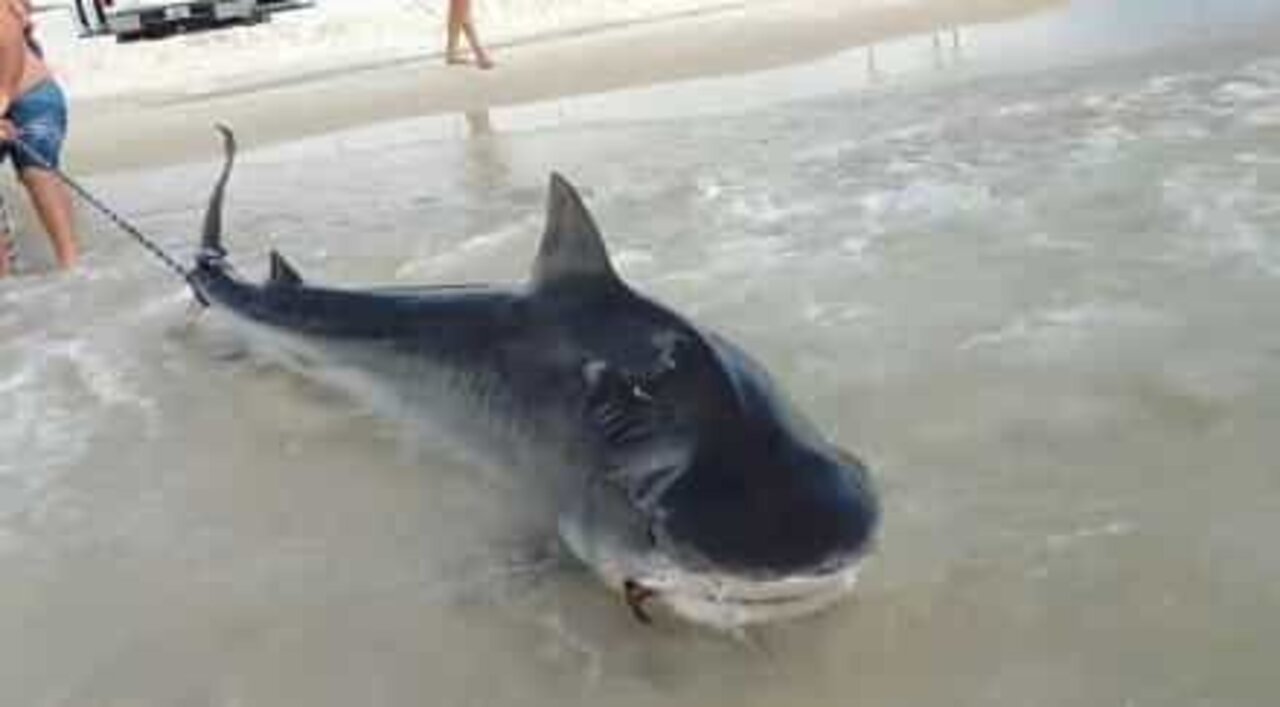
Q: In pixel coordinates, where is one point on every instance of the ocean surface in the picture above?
(1029, 272)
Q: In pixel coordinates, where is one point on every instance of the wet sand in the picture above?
(136, 131)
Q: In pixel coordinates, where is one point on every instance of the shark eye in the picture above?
(671, 345)
(608, 384)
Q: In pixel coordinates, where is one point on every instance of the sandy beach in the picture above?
(132, 129)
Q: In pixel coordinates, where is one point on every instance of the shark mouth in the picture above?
(729, 603)
(717, 600)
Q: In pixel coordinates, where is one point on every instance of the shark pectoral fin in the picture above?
(282, 273)
(571, 248)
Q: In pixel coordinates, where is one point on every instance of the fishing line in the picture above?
(151, 246)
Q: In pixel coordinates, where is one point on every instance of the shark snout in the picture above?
(771, 514)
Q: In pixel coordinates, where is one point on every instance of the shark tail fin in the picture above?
(282, 273)
(211, 249)
(572, 249)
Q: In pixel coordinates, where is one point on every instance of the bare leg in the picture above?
(6, 253)
(457, 15)
(53, 204)
(459, 24)
(6, 240)
(482, 58)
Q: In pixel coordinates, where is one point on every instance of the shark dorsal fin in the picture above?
(572, 249)
(282, 273)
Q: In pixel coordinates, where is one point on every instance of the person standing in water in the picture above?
(34, 110)
(459, 23)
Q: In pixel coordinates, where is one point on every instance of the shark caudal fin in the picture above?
(211, 239)
(572, 249)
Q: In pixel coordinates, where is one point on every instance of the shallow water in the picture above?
(1041, 305)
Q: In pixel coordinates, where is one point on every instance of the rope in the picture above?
(151, 246)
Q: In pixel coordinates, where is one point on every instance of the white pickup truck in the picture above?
(134, 19)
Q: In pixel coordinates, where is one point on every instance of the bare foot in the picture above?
(484, 62)
(455, 59)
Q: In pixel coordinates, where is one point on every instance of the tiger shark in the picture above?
(677, 470)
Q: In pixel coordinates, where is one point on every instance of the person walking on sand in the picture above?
(459, 23)
(34, 110)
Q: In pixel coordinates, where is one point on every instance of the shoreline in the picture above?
(152, 130)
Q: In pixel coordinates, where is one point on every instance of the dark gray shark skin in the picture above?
(677, 469)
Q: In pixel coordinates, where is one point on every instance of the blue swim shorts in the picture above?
(41, 117)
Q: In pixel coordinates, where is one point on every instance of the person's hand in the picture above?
(8, 131)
